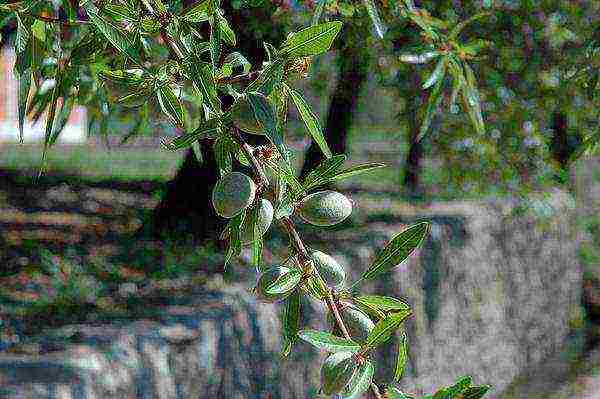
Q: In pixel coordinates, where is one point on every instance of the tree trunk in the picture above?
(186, 209)
(353, 64)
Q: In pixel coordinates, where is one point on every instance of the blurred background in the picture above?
(109, 262)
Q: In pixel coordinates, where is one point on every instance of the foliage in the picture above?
(180, 60)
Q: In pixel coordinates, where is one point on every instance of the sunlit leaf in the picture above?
(379, 26)
(329, 342)
(397, 250)
(384, 329)
(310, 121)
(291, 320)
(401, 357)
(170, 105)
(313, 40)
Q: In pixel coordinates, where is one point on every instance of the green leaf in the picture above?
(360, 382)
(227, 33)
(203, 80)
(437, 74)
(383, 303)
(114, 34)
(119, 12)
(311, 41)
(257, 251)
(380, 28)
(291, 320)
(235, 244)
(471, 99)
(197, 151)
(355, 171)
(286, 283)
(422, 58)
(435, 97)
(397, 250)
(384, 329)
(63, 117)
(268, 79)
(129, 77)
(310, 121)
(476, 392)
(170, 105)
(324, 172)
(24, 87)
(264, 114)
(461, 385)
(223, 156)
(207, 129)
(395, 393)
(198, 12)
(329, 342)
(215, 41)
(236, 59)
(48, 136)
(402, 356)
(23, 35)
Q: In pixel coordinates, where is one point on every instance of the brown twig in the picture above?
(246, 77)
(249, 152)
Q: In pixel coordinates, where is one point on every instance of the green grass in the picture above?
(96, 163)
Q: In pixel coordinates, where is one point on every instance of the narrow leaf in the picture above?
(114, 34)
(208, 129)
(264, 113)
(329, 342)
(291, 319)
(324, 172)
(476, 392)
(270, 77)
(435, 97)
(380, 28)
(310, 41)
(318, 12)
(233, 229)
(227, 33)
(360, 382)
(285, 283)
(203, 80)
(397, 250)
(23, 35)
(215, 41)
(471, 98)
(198, 12)
(384, 329)
(62, 117)
(355, 171)
(395, 393)
(170, 105)
(383, 303)
(310, 121)
(437, 74)
(50, 119)
(402, 356)
(24, 87)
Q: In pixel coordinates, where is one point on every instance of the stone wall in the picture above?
(492, 292)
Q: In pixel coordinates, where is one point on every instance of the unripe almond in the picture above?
(359, 325)
(272, 276)
(325, 208)
(332, 272)
(336, 372)
(263, 222)
(233, 193)
(244, 119)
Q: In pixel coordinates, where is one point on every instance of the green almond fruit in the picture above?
(263, 222)
(242, 115)
(359, 325)
(277, 275)
(325, 208)
(337, 371)
(332, 272)
(233, 193)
